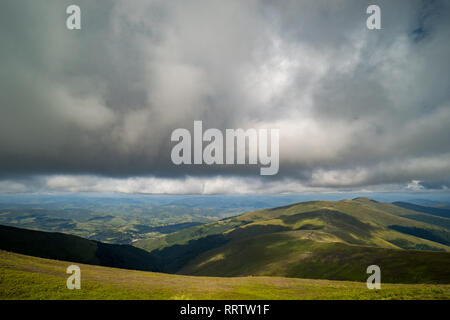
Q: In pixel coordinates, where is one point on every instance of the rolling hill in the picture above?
(25, 277)
(440, 212)
(73, 248)
(334, 240)
(317, 239)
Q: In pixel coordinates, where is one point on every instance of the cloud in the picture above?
(94, 109)
(196, 185)
(414, 186)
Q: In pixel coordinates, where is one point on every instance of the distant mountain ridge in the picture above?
(335, 240)
(317, 239)
(440, 212)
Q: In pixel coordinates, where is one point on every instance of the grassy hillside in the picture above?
(25, 277)
(294, 254)
(440, 212)
(317, 239)
(360, 221)
(414, 212)
(72, 248)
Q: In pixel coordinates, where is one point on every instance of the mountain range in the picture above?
(335, 240)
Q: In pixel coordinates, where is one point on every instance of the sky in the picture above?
(92, 110)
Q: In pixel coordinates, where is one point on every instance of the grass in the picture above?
(309, 254)
(73, 248)
(333, 240)
(360, 221)
(25, 277)
(261, 253)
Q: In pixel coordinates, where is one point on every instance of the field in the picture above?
(25, 277)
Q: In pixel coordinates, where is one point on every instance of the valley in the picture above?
(265, 248)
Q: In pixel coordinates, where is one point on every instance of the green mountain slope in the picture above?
(412, 212)
(360, 221)
(293, 254)
(317, 239)
(72, 248)
(25, 277)
(298, 241)
(440, 212)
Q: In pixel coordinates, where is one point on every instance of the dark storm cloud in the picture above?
(355, 107)
(436, 184)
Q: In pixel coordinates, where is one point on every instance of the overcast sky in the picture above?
(93, 109)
